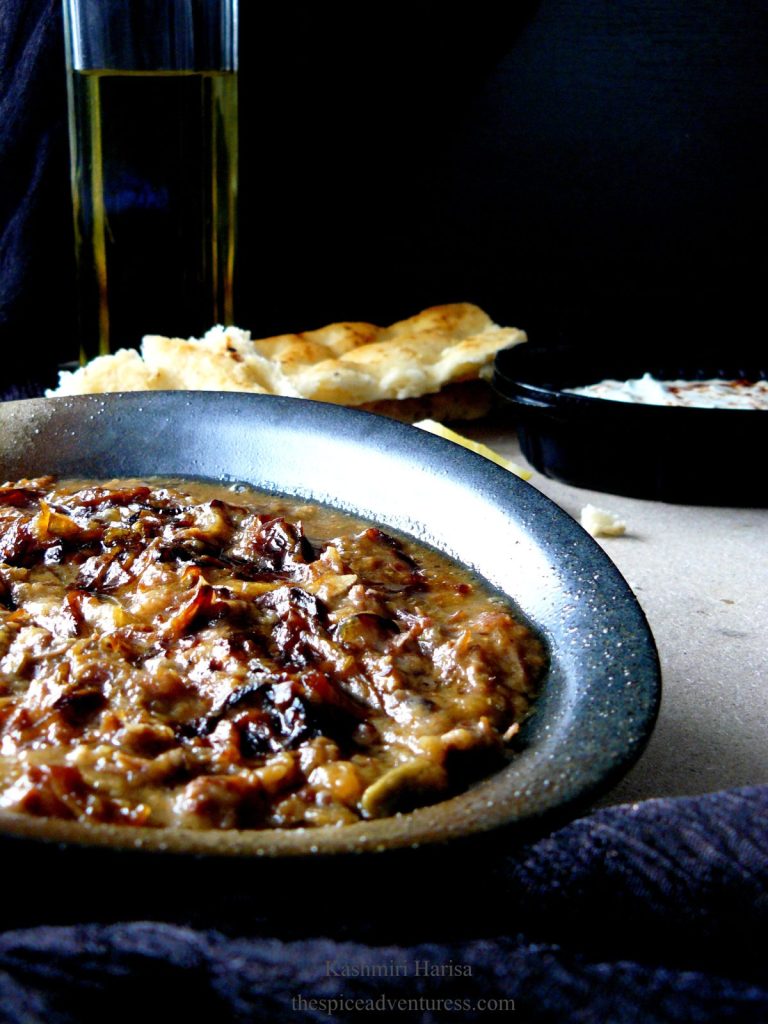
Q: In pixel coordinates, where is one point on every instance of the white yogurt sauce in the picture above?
(700, 394)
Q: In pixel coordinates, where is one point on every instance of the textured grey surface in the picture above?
(701, 576)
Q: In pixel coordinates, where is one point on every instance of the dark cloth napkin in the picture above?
(656, 911)
(37, 314)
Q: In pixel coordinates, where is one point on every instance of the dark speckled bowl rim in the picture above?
(601, 697)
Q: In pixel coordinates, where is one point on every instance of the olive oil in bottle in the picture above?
(154, 185)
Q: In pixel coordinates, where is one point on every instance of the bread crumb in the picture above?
(598, 522)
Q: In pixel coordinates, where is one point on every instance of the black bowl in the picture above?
(601, 695)
(697, 456)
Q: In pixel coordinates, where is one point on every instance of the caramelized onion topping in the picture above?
(190, 655)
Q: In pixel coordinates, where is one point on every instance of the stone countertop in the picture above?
(701, 577)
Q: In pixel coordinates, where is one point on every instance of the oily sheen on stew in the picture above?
(183, 654)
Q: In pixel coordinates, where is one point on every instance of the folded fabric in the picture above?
(649, 912)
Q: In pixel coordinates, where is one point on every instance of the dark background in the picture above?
(589, 170)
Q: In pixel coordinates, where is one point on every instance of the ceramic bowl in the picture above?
(600, 697)
(695, 456)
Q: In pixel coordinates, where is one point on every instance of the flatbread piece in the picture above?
(445, 349)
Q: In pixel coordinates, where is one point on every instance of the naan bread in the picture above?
(354, 364)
